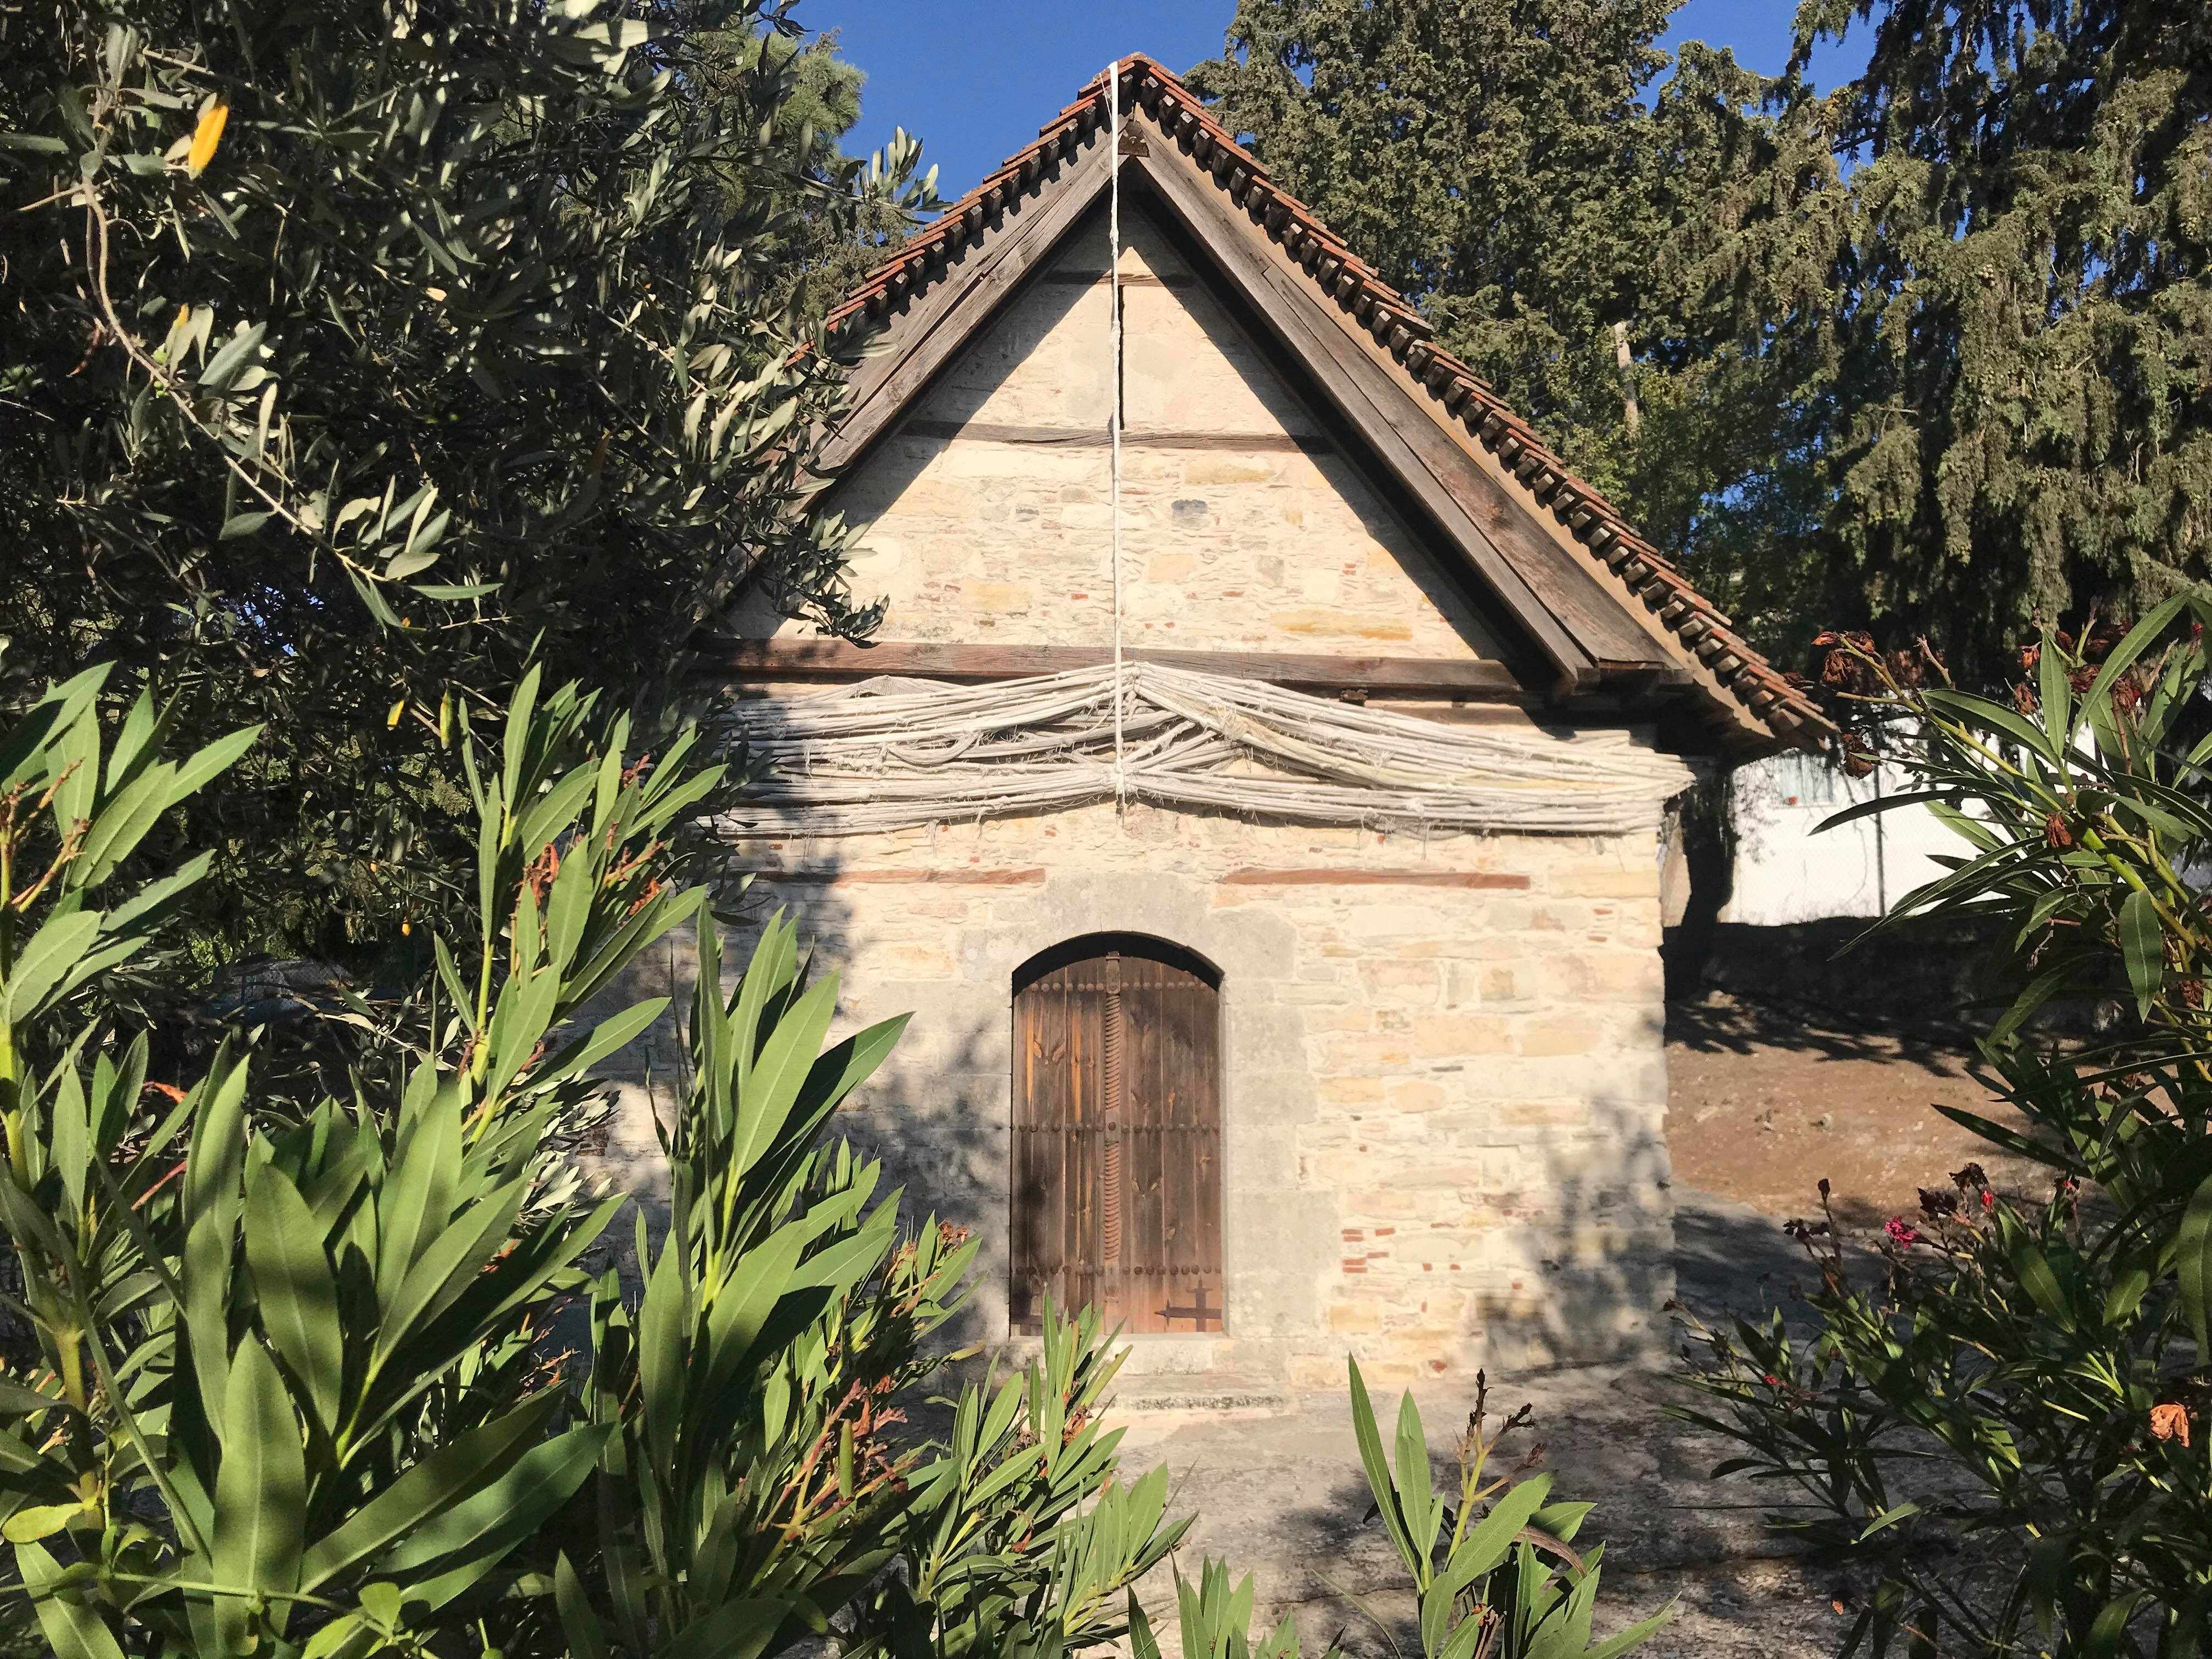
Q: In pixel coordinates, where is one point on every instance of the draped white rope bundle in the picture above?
(900, 754)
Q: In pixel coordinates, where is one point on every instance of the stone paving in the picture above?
(1277, 1484)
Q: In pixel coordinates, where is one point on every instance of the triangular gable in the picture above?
(1252, 525)
(1605, 611)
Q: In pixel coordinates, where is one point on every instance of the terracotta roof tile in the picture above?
(1704, 632)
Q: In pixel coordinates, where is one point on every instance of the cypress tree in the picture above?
(1928, 354)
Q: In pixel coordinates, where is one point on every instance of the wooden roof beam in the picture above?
(841, 661)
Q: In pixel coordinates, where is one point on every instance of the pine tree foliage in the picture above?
(356, 352)
(1532, 173)
(2011, 286)
(1929, 353)
(1473, 151)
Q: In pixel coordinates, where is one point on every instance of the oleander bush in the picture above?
(358, 1373)
(303, 1379)
(2005, 1422)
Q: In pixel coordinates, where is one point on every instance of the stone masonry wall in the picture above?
(1445, 1083)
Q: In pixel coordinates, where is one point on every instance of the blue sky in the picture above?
(975, 79)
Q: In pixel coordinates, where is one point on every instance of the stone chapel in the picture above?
(1254, 789)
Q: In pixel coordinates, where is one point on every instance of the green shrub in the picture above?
(301, 1387)
(362, 353)
(297, 1388)
(2006, 1425)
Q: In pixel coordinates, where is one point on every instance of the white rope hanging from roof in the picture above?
(892, 754)
(1114, 419)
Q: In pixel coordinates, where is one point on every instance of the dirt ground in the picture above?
(1763, 1102)
(1280, 1495)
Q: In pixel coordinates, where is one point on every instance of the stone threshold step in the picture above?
(1197, 1391)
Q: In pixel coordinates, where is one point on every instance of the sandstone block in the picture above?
(1413, 1094)
(1449, 1036)
(1566, 1036)
(896, 962)
(1406, 922)
(1351, 1052)
(1227, 470)
(1341, 624)
(1401, 981)
(1344, 1090)
(1611, 882)
(1545, 1114)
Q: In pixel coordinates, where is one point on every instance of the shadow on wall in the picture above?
(928, 1115)
(1596, 1238)
(1701, 825)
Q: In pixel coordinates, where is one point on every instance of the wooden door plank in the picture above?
(1037, 1203)
(1022, 1206)
(1116, 1304)
(1147, 1078)
(1080, 1190)
(1212, 1165)
(1201, 1030)
(1187, 1255)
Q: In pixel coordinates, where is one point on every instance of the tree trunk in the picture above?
(1626, 365)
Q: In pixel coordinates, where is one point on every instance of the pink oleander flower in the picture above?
(1899, 1233)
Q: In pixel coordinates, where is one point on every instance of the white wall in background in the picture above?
(1785, 873)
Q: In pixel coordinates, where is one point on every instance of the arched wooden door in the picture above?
(1117, 1135)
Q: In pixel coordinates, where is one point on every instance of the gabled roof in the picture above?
(1601, 602)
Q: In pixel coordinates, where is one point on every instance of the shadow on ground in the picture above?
(1765, 1101)
(1722, 1025)
(1281, 1494)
